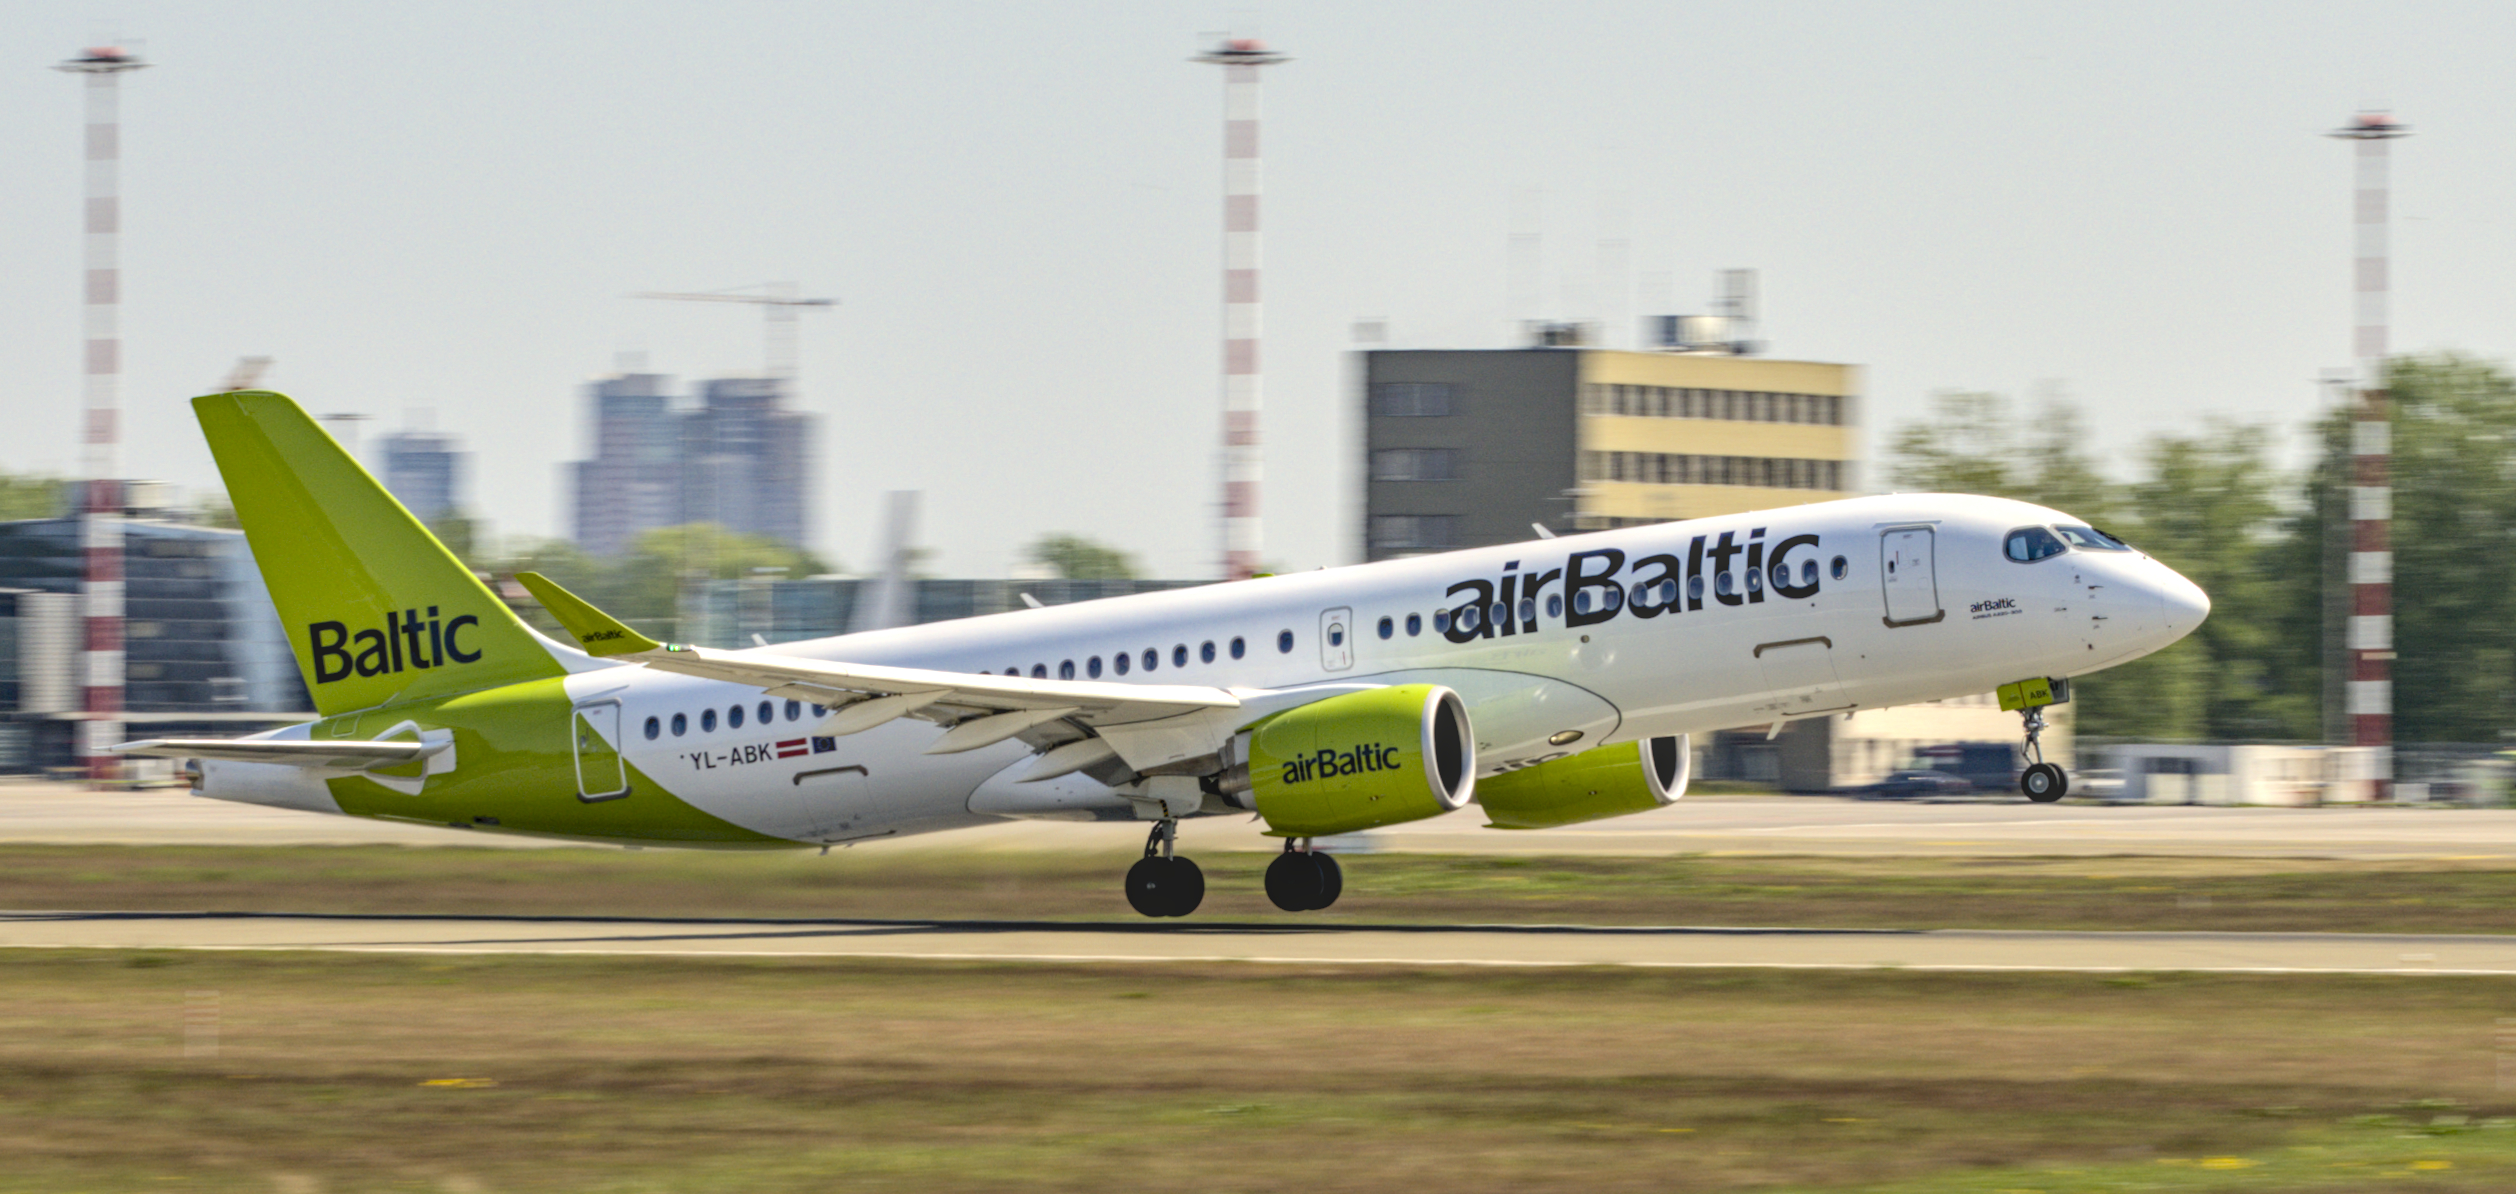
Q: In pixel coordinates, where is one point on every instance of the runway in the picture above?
(1281, 944)
(33, 811)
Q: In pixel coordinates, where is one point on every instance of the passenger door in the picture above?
(1336, 639)
(601, 774)
(1906, 570)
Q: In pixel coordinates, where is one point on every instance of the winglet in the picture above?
(598, 632)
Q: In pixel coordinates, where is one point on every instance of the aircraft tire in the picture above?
(1295, 881)
(2044, 783)
(1331, 881)
(1185, 888)
(1149, 887)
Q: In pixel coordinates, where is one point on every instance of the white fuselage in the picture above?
(1855, 604)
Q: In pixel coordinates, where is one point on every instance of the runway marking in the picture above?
(1273, 960)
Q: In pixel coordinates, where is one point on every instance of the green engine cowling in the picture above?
(1611, 781)
(1361, 760)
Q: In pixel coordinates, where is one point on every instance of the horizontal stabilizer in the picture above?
(350, 755)
(599, 633)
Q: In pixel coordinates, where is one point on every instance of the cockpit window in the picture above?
(2026, 545)
(2090, 538)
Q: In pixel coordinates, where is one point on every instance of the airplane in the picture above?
(1550, 682)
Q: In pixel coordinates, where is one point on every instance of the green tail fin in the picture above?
(598, 632)
(377, 610)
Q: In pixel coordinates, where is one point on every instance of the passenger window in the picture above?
(1179, 655)
(1205, 651)
(1066, 670)
(1468, 617)
(2026, 545)
(1092, 667)
(734, 718)
(1152, 659)
(1119, 662)
(1695, 588)
(1441, 621)
(1554, 605)
(707, 721)
(768, 713)
(1528, 611)
(1808, 573)
(1284, 642)
(794, 710)
(1723, 585)
(1756, 581)
(681, 724)
(1039, 671)
(820, 711)
(654, 729)
(1415, 625)
(1388, 628)
(1239, 648)
(1840, 568)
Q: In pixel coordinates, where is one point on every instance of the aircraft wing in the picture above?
(348, 755)
(981, 709)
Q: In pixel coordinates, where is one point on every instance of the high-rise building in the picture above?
(746, 460)
(424, 470)
(740, 459)
(1466, 448)
(633, 483)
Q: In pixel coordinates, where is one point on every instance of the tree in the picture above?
(1077, 558)
(24, 496)
(1972, 443)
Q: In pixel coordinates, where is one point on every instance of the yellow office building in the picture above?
(1685, 435)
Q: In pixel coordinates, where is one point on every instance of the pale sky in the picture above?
(442, 207)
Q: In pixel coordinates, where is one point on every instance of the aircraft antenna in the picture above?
(2369, 699)
(1243, 457)
(100, 528)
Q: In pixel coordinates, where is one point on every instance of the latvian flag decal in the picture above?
(793, 747)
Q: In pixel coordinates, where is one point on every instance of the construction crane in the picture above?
(248, 371)
(779, 304)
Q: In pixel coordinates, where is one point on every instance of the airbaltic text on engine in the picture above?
(1594, 585)
(1328, 762)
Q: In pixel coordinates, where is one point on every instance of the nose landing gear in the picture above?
(1304, 880)
(1162, 883)
(2043, 782)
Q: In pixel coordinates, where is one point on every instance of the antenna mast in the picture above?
(1243, 459)
(2370, 693)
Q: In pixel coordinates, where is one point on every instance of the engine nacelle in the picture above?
(1360, 761)
(1611, 781)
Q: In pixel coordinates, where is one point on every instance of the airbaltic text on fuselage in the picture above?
(1597, 585)
(408, 640)
(1329, 762)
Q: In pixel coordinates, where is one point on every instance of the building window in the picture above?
(1414, 532)
(1414, 399)
(1415, 464)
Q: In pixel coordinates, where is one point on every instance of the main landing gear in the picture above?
(2043, 782)
(1302, 879)
(1162, 883)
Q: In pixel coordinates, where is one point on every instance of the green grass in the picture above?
(339, 1073)
(2031, 893)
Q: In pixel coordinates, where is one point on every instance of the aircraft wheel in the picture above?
(1331, 881)
(1295, 881)
(1187, 888)
(1160, 886)
(2044, 783)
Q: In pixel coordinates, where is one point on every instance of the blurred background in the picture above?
(784, 320)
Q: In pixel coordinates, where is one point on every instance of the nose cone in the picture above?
(2183, 603)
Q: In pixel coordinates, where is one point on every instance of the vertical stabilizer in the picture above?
(376, 610)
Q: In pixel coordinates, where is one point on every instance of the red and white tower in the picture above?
(1243, 460)
(2369, 694)
(101, 458)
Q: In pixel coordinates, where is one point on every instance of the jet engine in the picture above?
(1611, 781)
(1356, 762)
